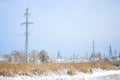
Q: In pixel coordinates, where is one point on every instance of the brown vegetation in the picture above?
(11, 69)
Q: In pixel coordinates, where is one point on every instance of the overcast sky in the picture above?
(68, 26)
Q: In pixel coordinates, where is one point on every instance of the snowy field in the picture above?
(98, 74)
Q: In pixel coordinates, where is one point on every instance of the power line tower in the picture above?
(115, 53)
(26, 23)
(110, 52)
(93, 52)
(119, 54)
(58, 55)
(93, 47)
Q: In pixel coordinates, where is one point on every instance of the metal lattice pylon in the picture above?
(26, 23)
(110, 52)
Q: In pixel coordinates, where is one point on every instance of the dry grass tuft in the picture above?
(84, 67)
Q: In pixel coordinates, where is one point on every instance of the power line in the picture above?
(26, 23)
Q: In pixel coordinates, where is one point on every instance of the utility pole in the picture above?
(26, 23)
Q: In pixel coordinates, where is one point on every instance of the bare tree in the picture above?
(16, 56)
(99, 56)
(33, 56)
(43, 56)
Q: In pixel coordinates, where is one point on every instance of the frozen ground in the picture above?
(97, 74)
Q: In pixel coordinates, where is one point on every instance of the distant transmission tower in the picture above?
(58, 55)
(115, 53)
(93, 48)
(93, 52)
(119, 54)
(110, 52)
(26, 23)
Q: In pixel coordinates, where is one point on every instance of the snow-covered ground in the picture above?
(97, 74)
